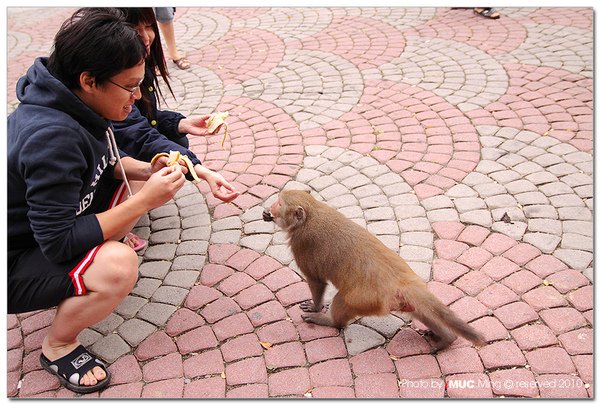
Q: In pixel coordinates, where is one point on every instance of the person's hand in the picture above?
(161, 163)
(161, 186)
(219, 187)
(194, 126)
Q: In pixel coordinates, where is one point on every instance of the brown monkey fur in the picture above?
(371, 279)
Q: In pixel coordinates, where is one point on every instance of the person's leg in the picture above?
(108, 280)
(164, 17)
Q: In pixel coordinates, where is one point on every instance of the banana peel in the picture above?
(214, 121)
(173, 158)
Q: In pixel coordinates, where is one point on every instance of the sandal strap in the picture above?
(79, 361)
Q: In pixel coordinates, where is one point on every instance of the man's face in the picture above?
(114, 99)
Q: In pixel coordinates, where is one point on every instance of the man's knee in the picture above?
(115, 269)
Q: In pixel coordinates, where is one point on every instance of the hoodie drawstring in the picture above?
(113, 150)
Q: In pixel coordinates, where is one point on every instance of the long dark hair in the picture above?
(156, 59)
(99, 41)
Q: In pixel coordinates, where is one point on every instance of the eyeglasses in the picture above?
(131, 90)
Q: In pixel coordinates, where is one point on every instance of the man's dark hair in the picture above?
(99, 41)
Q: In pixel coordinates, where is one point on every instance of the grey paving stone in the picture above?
(577, 241)
(532, 198)
(515, 230)
(359, 338)
(134, 331)
(527, 168)
(585, 228)
(586, 191)
(500, 201)
(404, 200)
(253, 214)
(188, 262)
(422, 269)
(353, 212)
(192, 247)
(477, 217)
(373, 201)
(333, 191)
(409, 211)
(165, 251)
(545, 242)
(576, 259)
(156, 313)
(437, 202)
(322, 182)
(511, 160)
(258, 227)
(414, 224)
(566, 200)
(329, 167)
(391, 241)
(366, 191)
(545, 225)
(188, 200)
(198, 233)
(166, 236)
(110, 348)
(158, 269)
(167, 210)
(416, 253)
(379, 214)
(541, 178)
(488, 167)
(182, 278)
(441, 215)
(576, 179)
(469, 204)
(562, 169)
(170, 295)
(574, 213)
(514, 213)
(225, 224)
(344, 173)
(383, 228)
(306, 175)
(108, 324)
(424, 239)
(547, 160)
(145, 287)
(130, 306)
(198, 220)
(474, 179)
(230, 236)
(281, 253)
(505, 176)
(143, 221)
(489, 189)
(555, 188)
(166, 223)
(88, 337)
(345, 200)
(540, 211)
(520, 186)
(460, 191)
(387, 325)
(192, 210)
(356, 181)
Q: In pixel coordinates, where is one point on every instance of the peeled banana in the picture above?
(213, 122)
(173, 158)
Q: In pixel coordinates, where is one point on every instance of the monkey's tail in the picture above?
(432, 312)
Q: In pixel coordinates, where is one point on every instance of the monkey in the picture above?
(371, 279)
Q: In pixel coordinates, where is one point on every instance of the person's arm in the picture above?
(168, 123)
(219, 187)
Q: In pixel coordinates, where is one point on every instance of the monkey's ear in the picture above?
(299, 215)
(307, 191)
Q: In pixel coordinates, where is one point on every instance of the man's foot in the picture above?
(134, 242)
(76, 368)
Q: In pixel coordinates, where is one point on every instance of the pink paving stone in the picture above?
(34, 340)
(376, 386)
(449, 249)
(522, 281)
(473, 235)
(132, 390)
(125, 370)
(241, 347)
(206, 363)
(473, 282)
(232, 326)
(544, 297)
(567, 280)
(579, 341)
(268, 312)
(183, 320)
(201, 295)
(157, 344)
(448, 230)
(490, 328)
(285, 355)
(582, 298)
(169, 366)
(514, 383)
(196, 340)
(534, 336)
(31, 361)
(499, 267)
(37, 321)
(424, 191)
(417, 367)
(249, 391)
(522, 253)
(325, 349)
(246, 371)
(446, 271)
(293, 294)
(36, 382)
(422, 388)
(226, 210)
(515, 314)
(164, 389)
(219, 254)
(205, 388)
(471, 385)
(562, 320)
(407, 342)
(373, 361)
(295, 381)
(235, 283)
(501, 354)
(550, 360)
(14, 359)
(254, 295)
(498, 243)
(545, 265)
(311, 331)
(213, 273)
(561, 386)
(278, 332)
(281, 278)
(262, 266)
(444, 292)
(459, 360)
(496, 295)
(219, 309)
(469, 308)
(589, 315)
(333, 392)
(12, 321)
(474, 257)
(585, 367)
(331, 373)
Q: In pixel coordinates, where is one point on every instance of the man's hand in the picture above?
(161, 187)
(161, 163)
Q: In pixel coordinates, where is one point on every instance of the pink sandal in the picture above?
(139, 243)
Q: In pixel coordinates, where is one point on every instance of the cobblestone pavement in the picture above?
(463, 143)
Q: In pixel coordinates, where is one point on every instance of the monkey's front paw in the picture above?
(317, 318)
(309, 306)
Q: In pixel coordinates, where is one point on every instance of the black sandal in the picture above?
(488, 12)
(72, 367)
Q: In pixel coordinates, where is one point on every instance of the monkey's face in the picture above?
(286, 216)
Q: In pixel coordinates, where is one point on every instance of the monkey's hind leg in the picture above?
(338, 317)
(317, 289)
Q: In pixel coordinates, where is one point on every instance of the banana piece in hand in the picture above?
(214, 121)
(173, 158)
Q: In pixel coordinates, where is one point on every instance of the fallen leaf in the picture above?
(266, 345)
